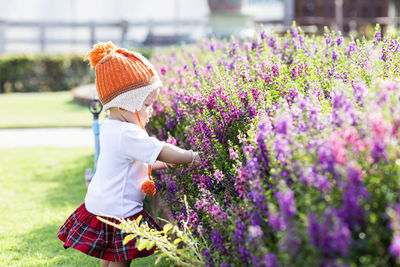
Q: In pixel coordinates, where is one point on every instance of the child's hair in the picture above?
(123, 78)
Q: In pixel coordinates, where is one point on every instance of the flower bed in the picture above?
(300, 143)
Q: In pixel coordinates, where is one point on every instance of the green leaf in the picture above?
(167, 227)
(137, 244)
(176, 241)
(128, 238)
(159, 259)
(150, 245)
(139, 218)
(142, 244)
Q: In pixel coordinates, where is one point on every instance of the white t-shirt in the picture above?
(125, 151)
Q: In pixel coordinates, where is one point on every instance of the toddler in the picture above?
(127, 85)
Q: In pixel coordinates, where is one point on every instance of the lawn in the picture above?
(39, 188)
(31, 110)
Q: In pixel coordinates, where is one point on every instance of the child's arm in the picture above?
(159, 165)
(175, 155)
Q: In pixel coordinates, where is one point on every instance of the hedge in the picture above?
(45, 72)
(42, 73)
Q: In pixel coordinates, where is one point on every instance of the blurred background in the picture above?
(66, 26)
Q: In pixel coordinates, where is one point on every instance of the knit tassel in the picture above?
(149, 188)
(99, 51)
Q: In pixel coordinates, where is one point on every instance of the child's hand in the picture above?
(196, 160)
(171, 165)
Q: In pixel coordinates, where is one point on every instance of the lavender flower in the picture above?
(395, 246)
(270, 260)
(287, 203)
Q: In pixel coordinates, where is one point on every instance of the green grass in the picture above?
(39, 110)
(39, 189)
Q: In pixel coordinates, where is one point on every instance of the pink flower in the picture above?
(172, 141)
(163, 70)
(338, 147)
(216, 212)
(233, 154)
(390, 85)
(246, 46)
(201, 204)
(196, 84)
(218, 175)
(240, 181)
(379, 126)
(352, 138)
(241, 140)
(368, 67)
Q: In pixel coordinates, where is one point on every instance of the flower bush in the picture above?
(300, 144)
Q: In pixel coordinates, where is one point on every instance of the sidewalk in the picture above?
(47, 137)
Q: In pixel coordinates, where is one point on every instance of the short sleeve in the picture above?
(137, 145)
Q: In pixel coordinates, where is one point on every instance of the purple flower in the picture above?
(240, 230)
(244, 253)
(217, 213)
(395, 246)
(208, 66)
(207, 254)
(351, 212)
(193, 218)
(255, 232)
(217, 241)
(295, 72)
(275, 221)
(270, 260)
(379, 151)
(334, 56)
(339, 41)
(287, 203)
(332, 236)
(295, 33)
(263, 34)
(360, 90)
(195, 62)
(377, 36)
(354, 175)
(282, 123)
(384, 56)
(275, 70)
(328, 39)
(281, 147)
(351, 49)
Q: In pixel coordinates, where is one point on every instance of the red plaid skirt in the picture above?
(84, 232)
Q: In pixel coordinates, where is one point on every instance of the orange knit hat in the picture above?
(123, 78)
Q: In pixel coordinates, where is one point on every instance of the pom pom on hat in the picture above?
(99, 51)
(149, 188)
